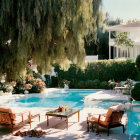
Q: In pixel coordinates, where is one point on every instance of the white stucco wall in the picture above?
(135, 36)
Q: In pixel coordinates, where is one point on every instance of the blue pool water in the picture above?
(133, 124)
(72, 98)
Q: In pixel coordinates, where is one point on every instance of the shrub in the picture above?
(81, 84)
(54, 81)
(34, 89)
(92, 84)
(111, 84)
(18, 88)
(48, 80)
(103, 70)
(135, 93)
(138, 67)
(89, 84)
(96, 83)
(138, 62)
(104, 85)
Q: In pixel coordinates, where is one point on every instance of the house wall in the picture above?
(135, 36)
(123, 51)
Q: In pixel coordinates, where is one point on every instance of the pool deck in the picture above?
(107, 95)
(77, 130)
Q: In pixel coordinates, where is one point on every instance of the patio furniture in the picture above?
(66, 114)
(109, 120)
(120, 89)
(13, 117)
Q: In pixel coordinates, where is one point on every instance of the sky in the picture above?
(124, 9)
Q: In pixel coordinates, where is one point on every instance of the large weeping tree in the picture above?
(45, 31)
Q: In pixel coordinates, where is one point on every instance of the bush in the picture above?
(138, 62)
(81, 84)
(18, 89)
(135, 93)
(138, 67)
(104, 85)
(96, 84)
(34, 89)
(89, 84)
(92, 84)
(54, 81)
(103, 70)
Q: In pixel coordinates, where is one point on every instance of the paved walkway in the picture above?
(76, 130)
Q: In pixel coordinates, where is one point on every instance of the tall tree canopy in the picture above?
(46, 31)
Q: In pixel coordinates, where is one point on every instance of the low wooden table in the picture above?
(65, 114)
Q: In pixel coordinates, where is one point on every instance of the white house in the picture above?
(133, 31)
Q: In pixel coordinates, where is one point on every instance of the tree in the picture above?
(100, 46)
(123, 40)
(44, 31)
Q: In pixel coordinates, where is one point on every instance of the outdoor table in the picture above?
(66, 114)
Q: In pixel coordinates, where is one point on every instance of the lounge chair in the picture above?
(13, 117)
(109, 120)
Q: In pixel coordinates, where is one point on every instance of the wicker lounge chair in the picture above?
(109, 120)
(13, 117)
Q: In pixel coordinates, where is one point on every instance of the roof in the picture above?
(126, 27)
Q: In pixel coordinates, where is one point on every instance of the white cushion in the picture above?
(119, 107)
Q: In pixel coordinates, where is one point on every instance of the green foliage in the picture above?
(109, 21)
(6, 87)
(81, 84)
(123, 40)
(112, 84)
(104, 85)
(34, 89)
(138, 67)
(103, 70)
(92, 84)
(135, 93)
(138, 62)
(54, 81)
(101, 45)
(45, 31)
(18, 89)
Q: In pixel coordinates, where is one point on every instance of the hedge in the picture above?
(97, 72)
(135, 93)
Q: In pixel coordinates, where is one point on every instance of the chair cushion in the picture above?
(15, 114)
(5, 118)
(119, 107)
(4, 108)
(104, 120)
(101, 121)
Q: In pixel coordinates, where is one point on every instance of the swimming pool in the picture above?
(72, 98)
(133, 124)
